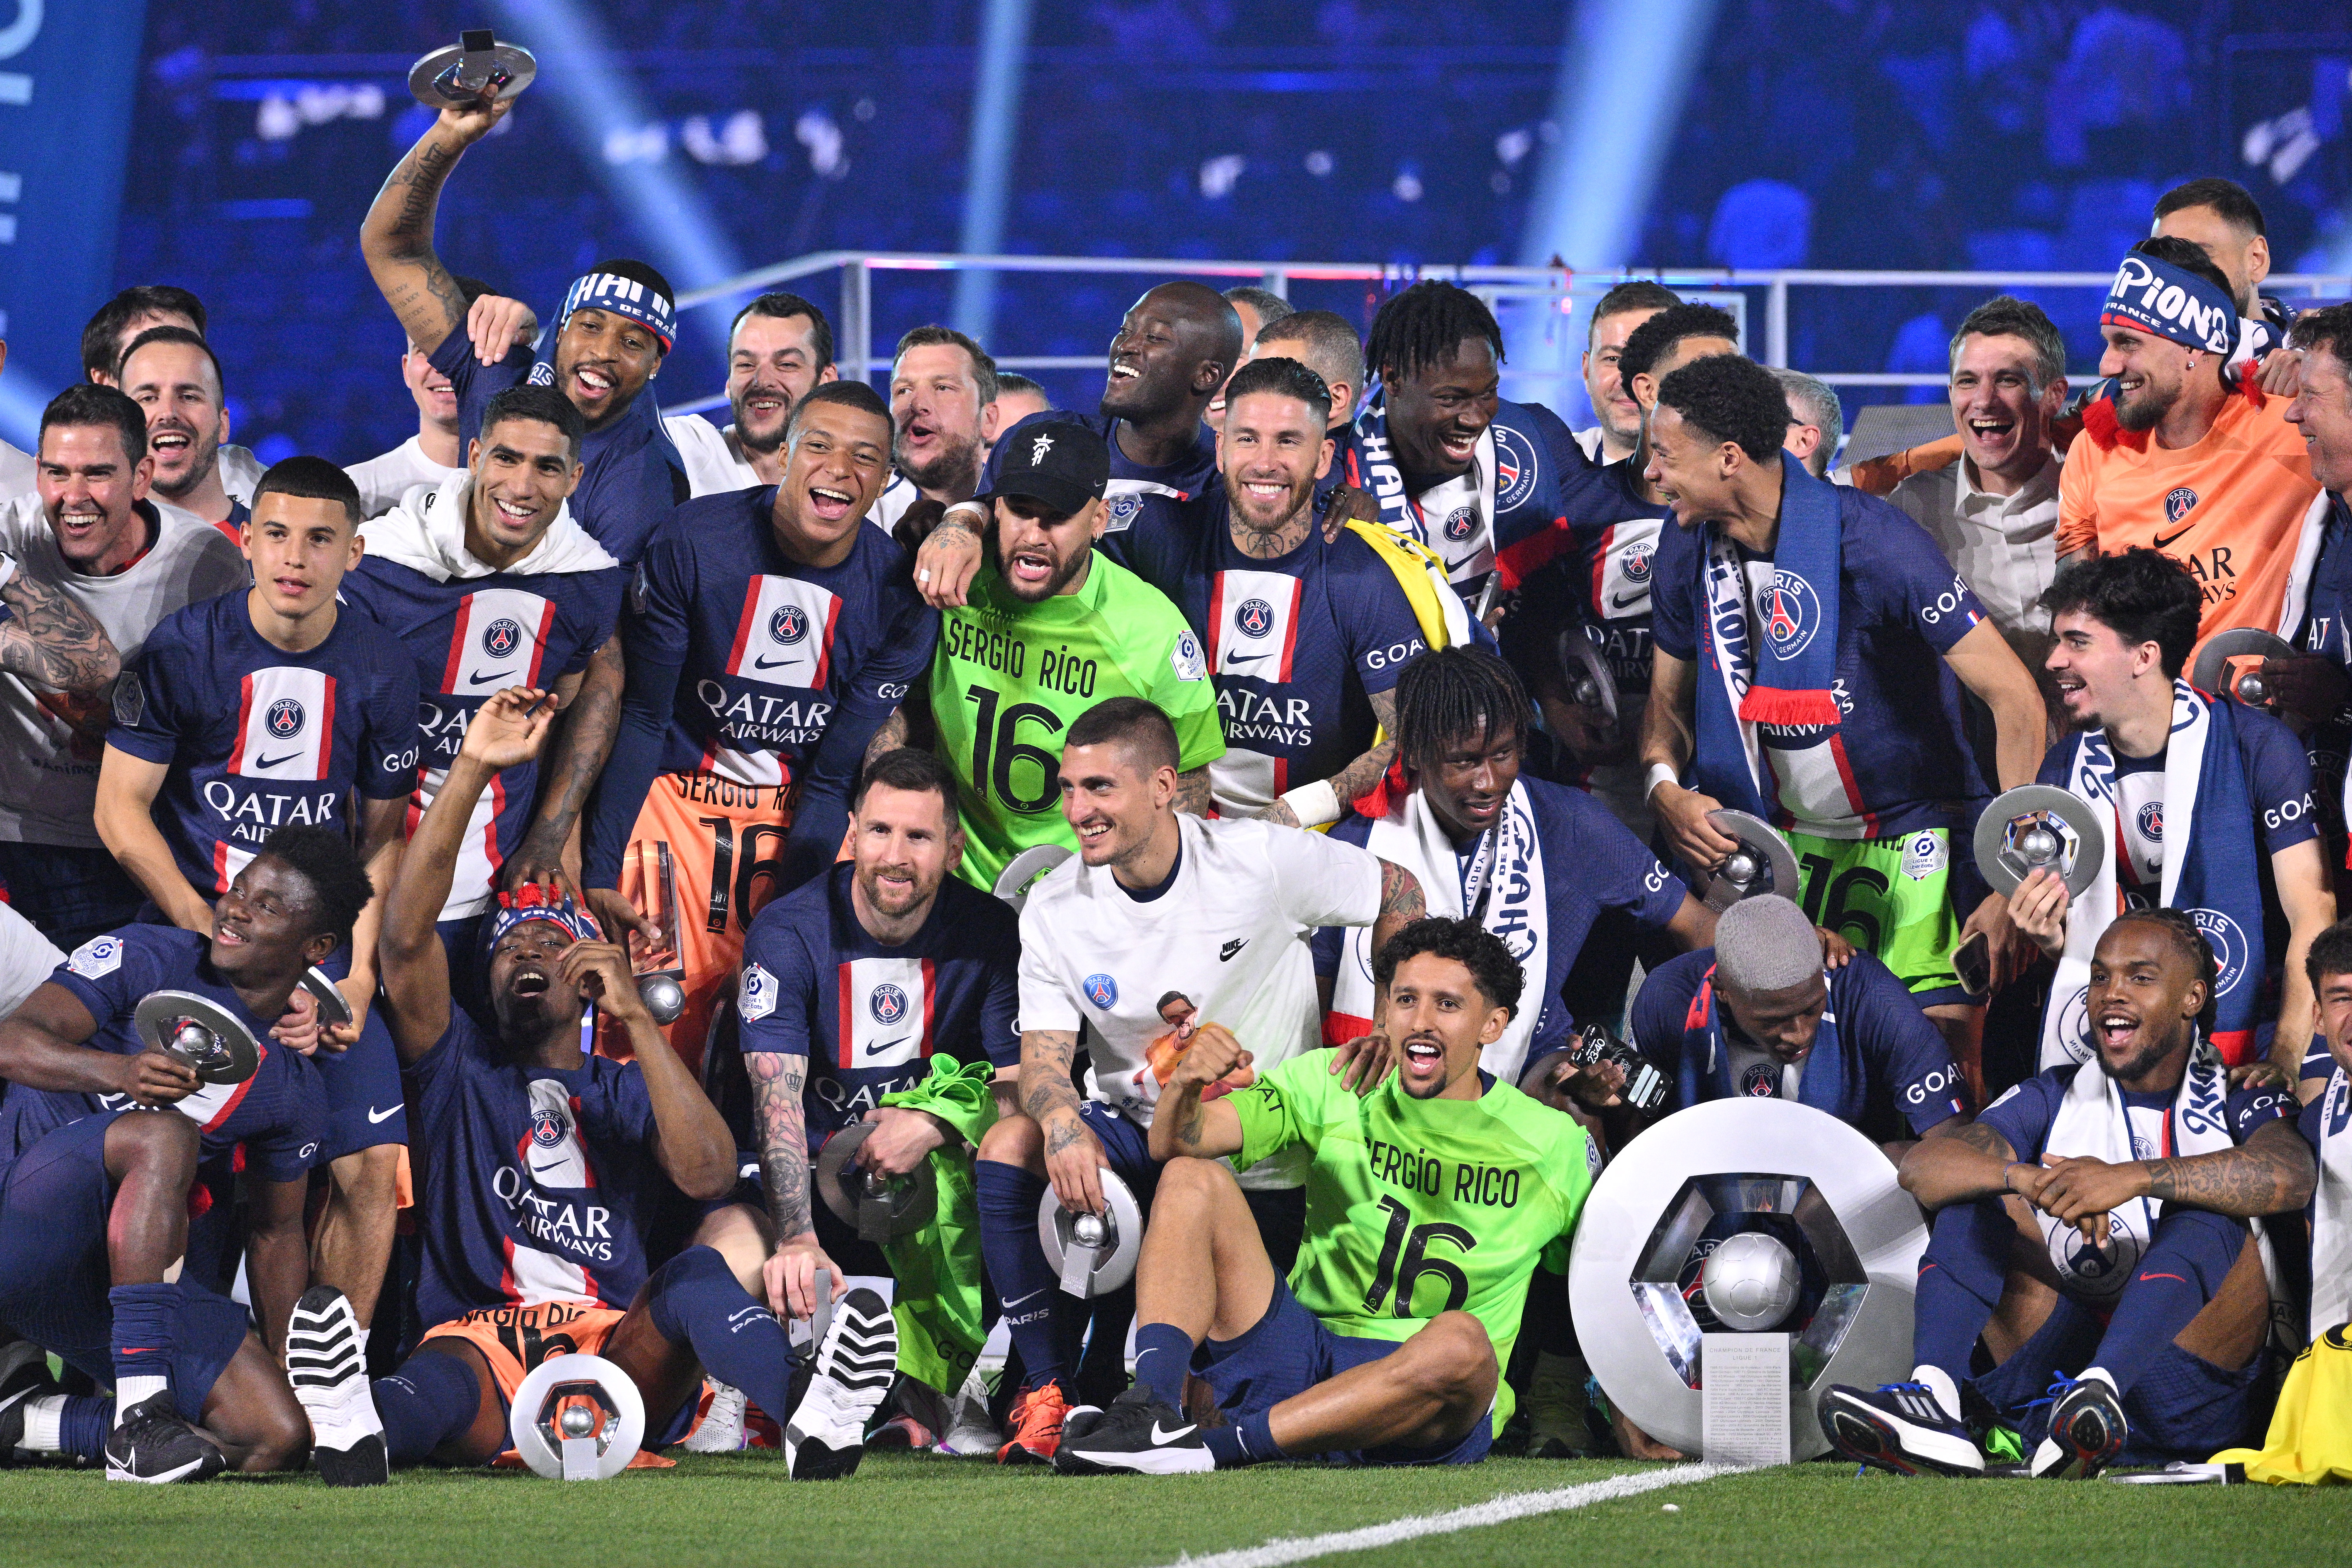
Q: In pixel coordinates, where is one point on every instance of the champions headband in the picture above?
(623, 297)
(532, 903)
(2172, 302)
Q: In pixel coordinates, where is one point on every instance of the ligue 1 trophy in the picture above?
(457, 74)
(663, 990)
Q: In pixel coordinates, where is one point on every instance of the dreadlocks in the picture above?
(1454, 695)
(2181, 927)
(1425, 325)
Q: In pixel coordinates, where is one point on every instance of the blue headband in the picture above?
(533, 904)
(623, 297)
(2172, 302)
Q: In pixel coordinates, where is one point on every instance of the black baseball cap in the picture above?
(1060, 463)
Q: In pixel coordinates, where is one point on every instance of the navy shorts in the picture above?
(54, 1274)
(1288, 1352)
(69, 893)
(363, 1104)
(1126, 1144)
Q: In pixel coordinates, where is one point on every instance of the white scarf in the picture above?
(2331, 1219)
(1506, 874)
(427, 532)
(1426, 523)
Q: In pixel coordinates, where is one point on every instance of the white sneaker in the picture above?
(971, 1434)
(854, 1363)
(720, 1431)
(329, 1372)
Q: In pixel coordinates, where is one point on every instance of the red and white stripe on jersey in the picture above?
(475, 876)
(214, 1103)
(1620, 568)
(886, 1011)
(553, 1156)
(1254, 623)
(498, 640)
(285, 724)
(764, 769)
(785, 634)
(228, 861)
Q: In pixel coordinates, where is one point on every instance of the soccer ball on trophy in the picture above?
(1750, 1281)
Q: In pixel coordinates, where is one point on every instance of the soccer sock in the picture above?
(1248, 1441)
(146, 1338)
(431, 1399)
(1163, 1355)
(1025, 1287)
(1960, 1282)
(74, 1424)
(696, 1300)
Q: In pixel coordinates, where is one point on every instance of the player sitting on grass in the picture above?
(94, 1211)
(1429, 1200)
(2137, 1287)
(538, 1165)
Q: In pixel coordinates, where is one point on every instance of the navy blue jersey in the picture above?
(467, 639)
(279, 1114)
(1876, 1060)
(1616, 534)
(531, 1181)
(259, 739)
(1592, 862)
(868, 1016)
(1297, 646)
(2024, 1116)
(746, 665)
(1133, 485)
(1900, 751)
(634, 478)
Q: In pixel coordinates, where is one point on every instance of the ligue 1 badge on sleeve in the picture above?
(458, 72)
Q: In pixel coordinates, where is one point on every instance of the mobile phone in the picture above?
(1973, 962)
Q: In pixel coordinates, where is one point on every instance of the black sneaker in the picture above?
(2087, 1430)
(854, 1364)
(1135, 1435)
(1898, 1426)
(24, 1377)
(150, 1443)
(329, 1372)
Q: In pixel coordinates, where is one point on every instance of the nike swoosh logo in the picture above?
(1159, 1437)
(1244, 658)
(1230, 948)
(539, 1170)
(889, 1045)
(485, 679)
(770, 663)
(1454, 567)
(274, 762)
(375, 1115)
(1619, 601)
(1017, 1300)
(2161, 540)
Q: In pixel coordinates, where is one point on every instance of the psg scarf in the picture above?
(2209, 870)
(1488, 519)
(1706, 1058)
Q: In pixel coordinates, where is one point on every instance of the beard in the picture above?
(2146, 409)
(956, 469)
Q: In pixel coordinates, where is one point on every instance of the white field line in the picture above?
(1500, 1510)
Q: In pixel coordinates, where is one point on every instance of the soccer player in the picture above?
(266, 708)
(108, 333)
(174, 376)
(868, 982)
(1816, 419)
(434, 456)
(1256, 309)
(94, 1197)
(1810, 645)
(1534, 862)
(1017, 397)
(1616, 427)
(618, 324)
(1053, 628)
(1155, 901)
(2313, 689)
(769, 635)
(2326, 1085)
(543, 1169)
(2204, 806)
(2184, 460)
(487, 580)
(943, 399)
(1431, 1200)
(1325, 344)
(96, 563)
(778, 347)
(1761, 1015)
(2224, 220)
(2127, 1180)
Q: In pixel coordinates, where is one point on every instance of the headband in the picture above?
(532, 903)
(623, 297)
(2172, 302)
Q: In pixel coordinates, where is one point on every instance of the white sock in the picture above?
(2101, 1374)
(363, 1337)
(44, 1424)
(1939, 1383)
(130, 1391)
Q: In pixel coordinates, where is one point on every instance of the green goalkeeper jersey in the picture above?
(1419, 1206)
(1010, 677)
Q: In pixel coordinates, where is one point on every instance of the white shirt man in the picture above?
(431, 456)
(779, 348)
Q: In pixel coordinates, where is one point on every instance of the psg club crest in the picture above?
(2177, 503)
(887, 1004)
(1760, 1082)
(547, 1129)
(1515, 468)
(285, 718)
(1460, 523)
(1254, 619)
(2151, 821)
(2229, 945)
(1101, 990)
(1791, 614)
(1636, 562)
(501, 636)
(2075, 1025)
(789, 624)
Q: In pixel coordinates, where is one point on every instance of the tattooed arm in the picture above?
(1074, 1155)
(1972, 1162)
(397, 236)
(2270, 1172)
(1193, 796)
(1181, 1124)
(549, 852)
(1400, 904)
(51, 640)
(1363, 772)
(781, 1121)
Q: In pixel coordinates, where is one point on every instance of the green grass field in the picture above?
(926, 1513)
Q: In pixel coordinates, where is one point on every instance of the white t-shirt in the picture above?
(17, 473)
(384, 481)
(1229, 933)
(27, 960)
(714, 464)
(240, 471)
(48, 769)
(1587, 441)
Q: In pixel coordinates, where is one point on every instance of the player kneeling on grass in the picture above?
(2092, 1227)
(538, 1166)
(1429, 1203)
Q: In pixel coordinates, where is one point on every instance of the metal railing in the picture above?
(1559, 286)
